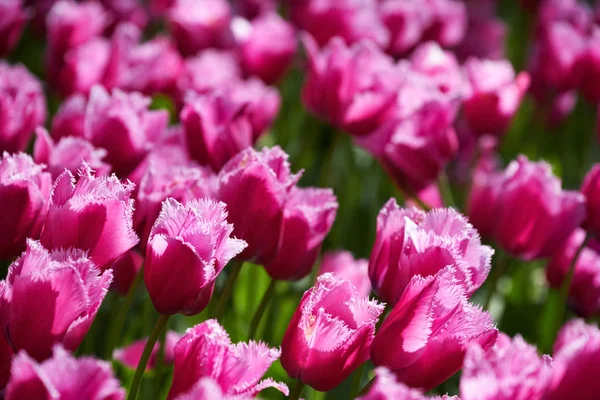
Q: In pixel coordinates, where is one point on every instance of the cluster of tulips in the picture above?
(156, 241)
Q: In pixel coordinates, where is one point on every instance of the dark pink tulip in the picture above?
(193, 242)
(22, 107)
(591, 190)
(251, 9)
(67, 154)
(350, 20)
(12, 19)
(125, 268)
(425, 337)
(24, 198)
(386, 387)
(308, 215)
(495, 94)
(330, 333)
(406, 22)
(411, 242)
(590, 88)
(354, 88)
(255, 186)
(448, 23)
(260, 55)
(69, 120)
(90, 213)
(486, 32)
(49, 298)
(62, 377)
(511, 370)
(196, 26)
(127, 11)
(584, 293)
(206, 351)
(122, 124)
(525, 209)
(130, 355)
(343, 265)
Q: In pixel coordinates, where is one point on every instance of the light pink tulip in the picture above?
(343, 265)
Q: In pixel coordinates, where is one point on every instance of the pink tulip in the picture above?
(511, 370)
(84, 66)
(206, 351)
(69, 120)
(125, 268)
(130, 355)
(128, 11)
(208, 388)
(22, 107)
(330, 333)
(495, 94)
(411, 242)
(191, 241)
(406, 22)
(448, 23)
(354, 88)
(386, 387)
(254, 8)
(24, 197)
(591, 190)
(260, 55)
(307, 218)
(196, 26)
(343, 265)
(92, 214)
(590, 61)
(486, 33)
(425, 337)
(12, 20)
(122, 124)
(255, 186)
(62, 377)
(49, 298)
(525, 209)
(350, 20)
(67, 154)
(430, 195)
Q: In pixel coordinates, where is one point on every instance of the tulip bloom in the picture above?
(206, 351)
(511, 370)
(12, 20)
(24, 198)
(131, 354)
(92, 214)
(411, 242)
(208, 388)
(22, 107)
(591, 190)
(307, 218)
(425, 337)
(330, 333)
(69, 120)
(62, 377)
(386, 387)
(343, 265)
(49, 298)
(193, 242)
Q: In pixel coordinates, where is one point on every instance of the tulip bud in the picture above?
(12, 20)
(386, 387)
(193, 242)
(341, 264)
(69, 119)
(425, 337)
(92, 214)
(49, 298)
(591, 190)
(22, 107)
(330, 333)
(206, 351)
(62, 377)
(24, 197)
(130, 355)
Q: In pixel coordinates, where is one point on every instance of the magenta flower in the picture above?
(330, 333)
(343, 265)
(125, 268)
(85, 66)
(495, 94)
(260, 55)
(254, 8)
(22, 107)
(130, 355)
(425, 337)
(122, 124)
(308, 215)
(62, 377)
(486, 32)
(196, 26)
(68, 154)
(92, 214)
(511, 370)
(206, 351)
(191, 241)
(525, 209)
(49, 298)
(24, 198)
(255, 186)
(386, 387)
(354, 88)
(591, 190)
(590, 61)
(69, 120)
(406, 22)
(411, 242)
(12, 20)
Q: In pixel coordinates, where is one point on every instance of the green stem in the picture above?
(365, 389)
(384, 314)
(141, 368)
(160, 360)
(295, 395)
(446, 190)
(262, 307)
(228, 289)
(117, 325)
(356, 380)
